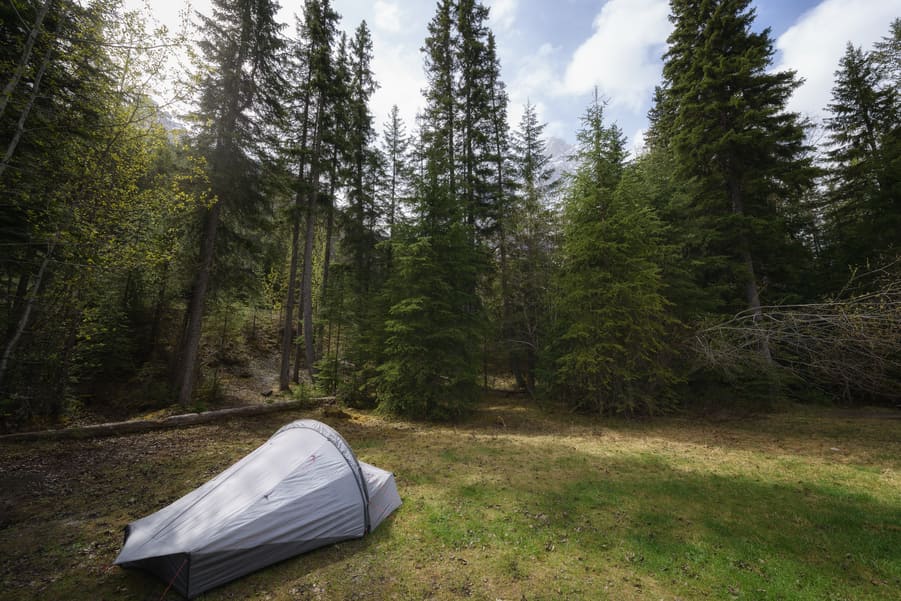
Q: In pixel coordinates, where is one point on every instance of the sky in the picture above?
(555, 52)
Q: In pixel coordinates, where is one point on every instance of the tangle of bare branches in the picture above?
(850, 344)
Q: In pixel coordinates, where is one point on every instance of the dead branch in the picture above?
(851, 344)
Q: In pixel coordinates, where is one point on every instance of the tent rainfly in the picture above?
(302, 489)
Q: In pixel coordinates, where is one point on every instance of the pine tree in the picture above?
(741, 155)
(529, 224)
(313, 90)
(609, 350)
(863, 207)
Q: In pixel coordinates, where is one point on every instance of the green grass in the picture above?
(801, 505)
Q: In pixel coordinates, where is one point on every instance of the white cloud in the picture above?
(814, 45)
(536, 77)
(636, 142)
(622, 57)
(387, 16)
(503, 13)
(398, 69)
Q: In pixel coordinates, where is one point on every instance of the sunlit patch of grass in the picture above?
(514, 503)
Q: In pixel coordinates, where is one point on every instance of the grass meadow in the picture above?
(516, 503)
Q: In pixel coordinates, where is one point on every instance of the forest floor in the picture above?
(517, 502)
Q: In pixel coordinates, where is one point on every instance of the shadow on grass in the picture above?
(693, 532)
(536, 504)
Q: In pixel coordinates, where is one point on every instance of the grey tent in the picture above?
(302, 489)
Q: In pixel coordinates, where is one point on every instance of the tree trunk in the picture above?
(329, 233)
(20, 126)
(26, 313)
(752, 293)
(329, 227)
(187, 367)
(288, 333)
(298, 350)
(306, 284)
(155, 326)
(10, 86)
(18, 302)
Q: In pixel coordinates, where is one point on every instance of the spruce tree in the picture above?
(608, 351)
(310, 106)
(359, 237)
(740, 154)
(363, 223)
(863, 207)
(239, 86)
(396, 150)
(433, 324)
(529, 224)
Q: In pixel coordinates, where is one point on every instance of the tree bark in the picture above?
(18, 302)
(26, 313)
(288, 332)
(187, 368)
(155, 325)
(327, 255)
(306, 284)
(284, 382)
(175, 421)
(752, 292)
(329, 229)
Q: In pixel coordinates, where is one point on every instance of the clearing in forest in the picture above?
(514, 503)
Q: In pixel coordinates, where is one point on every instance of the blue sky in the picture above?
(554, 52)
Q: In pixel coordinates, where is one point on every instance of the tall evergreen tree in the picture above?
(433, 324)
(864, 200)
(396, 150)
(239, 86)
(359, 237)
(363, 224)
(608, 352)
(741, 155)
(529, 226)
(312, 94)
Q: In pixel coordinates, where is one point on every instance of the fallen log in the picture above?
(174, 421)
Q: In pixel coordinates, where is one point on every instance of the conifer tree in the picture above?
(362, 226)
(530, 223)
(741, 156)
(433, 324)
(863, 206)
(238, 87)
(313, 90)
(608, 350)
(359, 236)
(396, 150)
